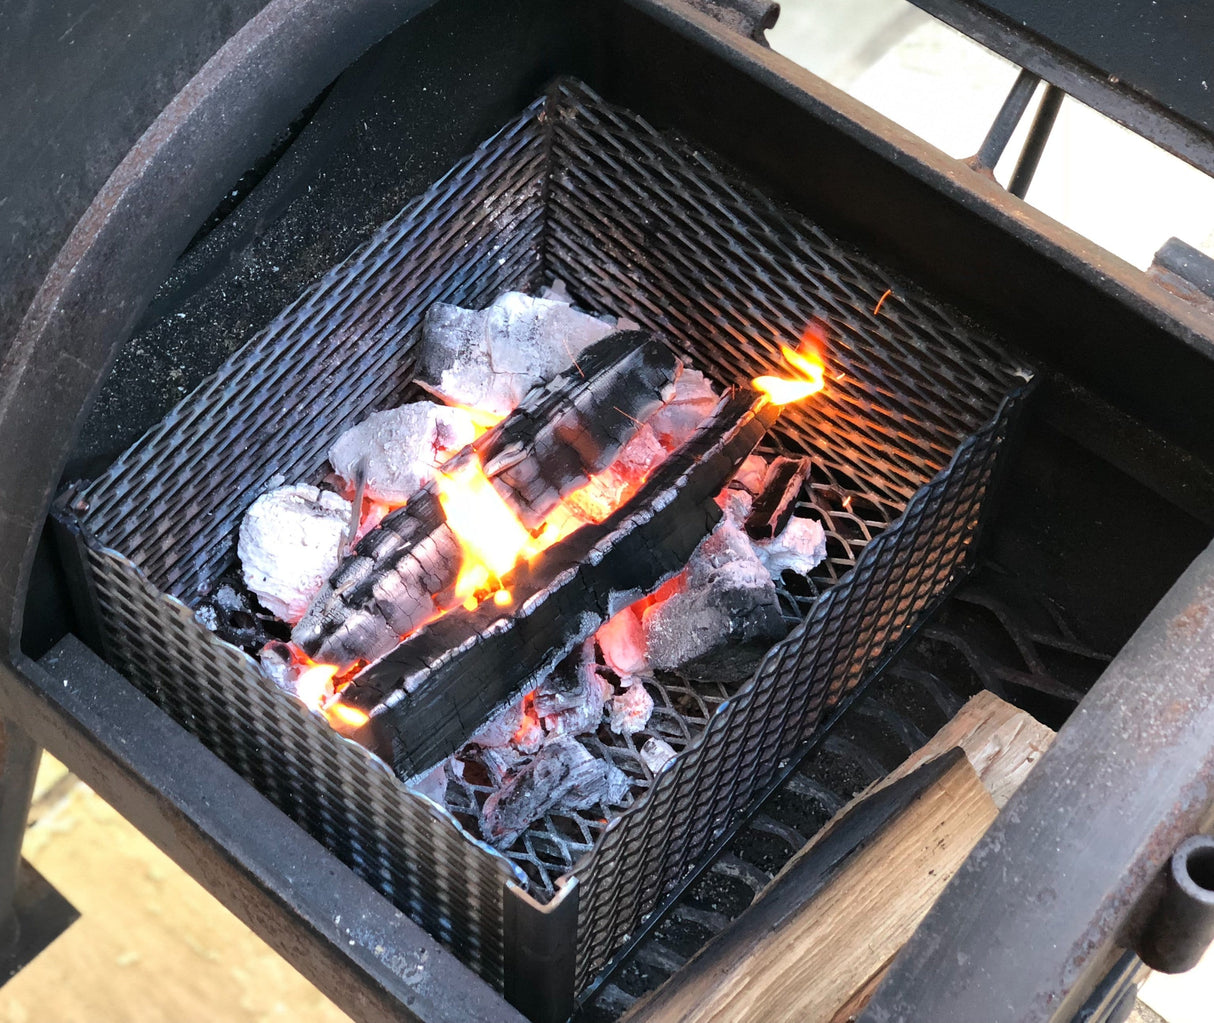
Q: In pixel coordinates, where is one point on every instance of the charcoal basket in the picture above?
(905, 443)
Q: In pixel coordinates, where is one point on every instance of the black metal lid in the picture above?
(1148, 64)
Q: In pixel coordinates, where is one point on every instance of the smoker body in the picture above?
(1127, 351)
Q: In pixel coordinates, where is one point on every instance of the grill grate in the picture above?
(904, 443)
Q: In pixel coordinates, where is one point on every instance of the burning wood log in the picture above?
(575, 426)
(549, 446)
(423, 699)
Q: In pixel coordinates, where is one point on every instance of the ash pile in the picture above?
(574, 516)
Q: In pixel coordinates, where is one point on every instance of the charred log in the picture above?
(385, 589)
(430, 693)
(569, 429)
(774, 506)
(562, 432)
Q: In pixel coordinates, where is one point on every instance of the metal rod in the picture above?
(19, 764)
(1034, 145)
(1005, 122)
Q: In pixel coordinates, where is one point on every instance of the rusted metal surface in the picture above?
(1060, 882)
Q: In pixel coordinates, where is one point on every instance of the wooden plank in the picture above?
(819, 950)
(809, 966)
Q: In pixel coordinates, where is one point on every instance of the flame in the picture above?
(315, 684)
(344, 714)
(808, 368)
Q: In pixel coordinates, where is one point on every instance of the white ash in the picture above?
(631, 709)
(501, 728)
(207, 617)
(570, 701)
(558, 291)
(433, 784)
(564, 775)
(656, 753)
(641, 455)
(727, 611)
(694, 398)
(799, 547)
(530, 736)
(290, 541)
(489, 359)
(401, 447)
(751, 475)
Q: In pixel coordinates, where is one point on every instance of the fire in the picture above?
(315, 684)
(344, 714)
(807, 365)
(494, 540)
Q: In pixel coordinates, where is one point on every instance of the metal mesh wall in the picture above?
(636, 224)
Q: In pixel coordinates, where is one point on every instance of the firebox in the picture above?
(260, 267)
(904, 442)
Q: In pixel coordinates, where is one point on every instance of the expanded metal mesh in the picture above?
(903, 442)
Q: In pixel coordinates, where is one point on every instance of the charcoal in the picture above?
(290, 543)
(630, 711)
(495, 763)
(570, 701)
(563, 775)
(656, 753)
(489, 359)
(718, 628)
(575, 426)
(502, 726)
(400, 448)
(800, 547)
(385, 589)
(425, 696)
(773, 507)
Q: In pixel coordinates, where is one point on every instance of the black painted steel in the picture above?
(367, 956)
(1181, 926)
(1004, 126)
(1034, 145)
(906, 435)
(1148, 64)
(1138, 757)
(19, 757)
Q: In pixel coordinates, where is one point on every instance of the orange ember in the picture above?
(809, 371)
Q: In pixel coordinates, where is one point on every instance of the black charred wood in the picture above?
(434, 690)
(385, 588)
(562, 432)
(562, 775)
(774, 506)
(574, 426)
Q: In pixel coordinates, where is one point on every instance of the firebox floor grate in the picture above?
(991, 633)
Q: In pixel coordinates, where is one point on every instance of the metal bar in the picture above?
(1034, 145)
(1005, 122)
(18, 768)
(365, 955)
(1062, 873)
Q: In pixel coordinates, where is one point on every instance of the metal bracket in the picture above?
(1004, 125)
(751, 18)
